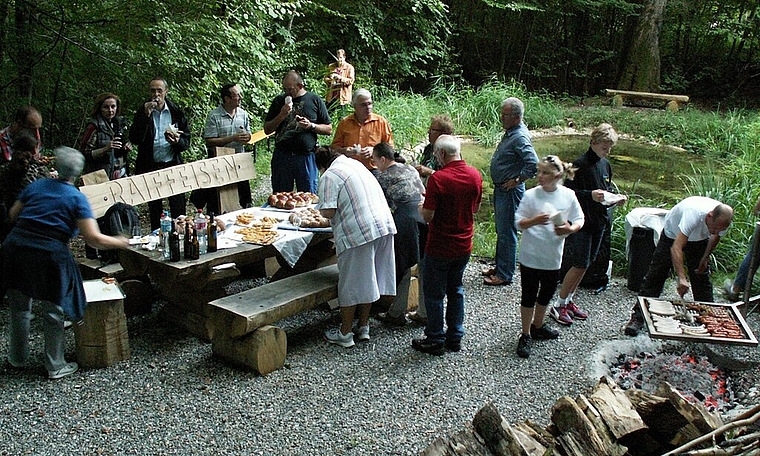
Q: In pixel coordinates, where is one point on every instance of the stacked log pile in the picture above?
(609, 422)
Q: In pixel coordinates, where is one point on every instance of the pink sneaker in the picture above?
(576, 311)
(561, 315)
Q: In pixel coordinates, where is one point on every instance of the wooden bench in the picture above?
(242, 322)
(626, 97)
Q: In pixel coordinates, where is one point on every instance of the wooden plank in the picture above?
(240, 314)
(228, 197)
(134, 190)
(656, 96)
(95, 177)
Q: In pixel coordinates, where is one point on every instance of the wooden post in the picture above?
(227, 195)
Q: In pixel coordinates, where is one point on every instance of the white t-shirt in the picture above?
(540, 247)
(688, 217)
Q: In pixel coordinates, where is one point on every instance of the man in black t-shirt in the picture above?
(298, 117)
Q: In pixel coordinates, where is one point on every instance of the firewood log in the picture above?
(578, 434)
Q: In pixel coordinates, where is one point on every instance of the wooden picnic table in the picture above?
(189, 285)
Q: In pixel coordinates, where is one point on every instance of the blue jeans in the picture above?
(289, 168)
(505, 204)
(740, 281)
(443, 278)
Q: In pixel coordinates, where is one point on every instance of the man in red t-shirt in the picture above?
(452, 198)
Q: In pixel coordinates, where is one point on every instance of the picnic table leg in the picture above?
(263, 350)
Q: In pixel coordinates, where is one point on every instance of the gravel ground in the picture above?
(380, 397)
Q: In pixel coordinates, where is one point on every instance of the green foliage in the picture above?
(724, 144)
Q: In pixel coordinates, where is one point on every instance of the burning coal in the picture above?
(644, 366)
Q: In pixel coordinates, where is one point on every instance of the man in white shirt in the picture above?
(692, 230)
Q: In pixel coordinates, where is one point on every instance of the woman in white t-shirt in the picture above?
(547, 214)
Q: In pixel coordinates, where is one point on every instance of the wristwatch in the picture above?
(313, 127)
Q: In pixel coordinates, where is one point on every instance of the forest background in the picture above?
(58, 54)
(418, 57)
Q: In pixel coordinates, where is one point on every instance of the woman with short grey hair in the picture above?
(37, 263)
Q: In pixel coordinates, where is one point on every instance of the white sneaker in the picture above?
(67, 369)
(334, 336)
(362, 333)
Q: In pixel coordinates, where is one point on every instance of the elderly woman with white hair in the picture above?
(37, 263)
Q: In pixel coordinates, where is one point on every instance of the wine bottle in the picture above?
(211, 237)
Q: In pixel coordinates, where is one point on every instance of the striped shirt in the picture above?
(361, 212)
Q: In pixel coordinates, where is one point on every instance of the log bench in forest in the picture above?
(243, 332)
(661, 100)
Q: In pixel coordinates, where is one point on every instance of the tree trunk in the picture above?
(23, 54)
(641, 70)
(4, 26)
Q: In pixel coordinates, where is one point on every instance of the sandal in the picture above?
(495, 281)
(486, 272)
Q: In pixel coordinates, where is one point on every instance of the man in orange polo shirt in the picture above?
(358, 133)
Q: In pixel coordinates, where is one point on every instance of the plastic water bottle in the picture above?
(200, 230)
(166, 229)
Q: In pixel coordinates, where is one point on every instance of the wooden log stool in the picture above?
(102, 339)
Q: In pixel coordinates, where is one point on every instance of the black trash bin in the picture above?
(640, 250)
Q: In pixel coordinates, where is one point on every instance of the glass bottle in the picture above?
(174, 254)
(211, 235)
(194, 246)
(200, 231)
(189, 241)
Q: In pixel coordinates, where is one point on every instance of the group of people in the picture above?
(387, 216)
(578, 212)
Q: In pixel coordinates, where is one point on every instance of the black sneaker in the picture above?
(545, 332)
(635, 324)
(427, 346)
(523, 346)
(453, 346)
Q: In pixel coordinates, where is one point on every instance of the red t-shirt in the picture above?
(454, 193)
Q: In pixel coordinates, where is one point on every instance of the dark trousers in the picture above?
(177, 206)
(662, 265)
(177, 203)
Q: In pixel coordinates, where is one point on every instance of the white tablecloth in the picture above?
(291, 244)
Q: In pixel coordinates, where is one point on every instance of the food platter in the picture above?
(290, 201)
(696, 321)
(258, 235)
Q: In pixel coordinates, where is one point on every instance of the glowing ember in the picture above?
(697, 379)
